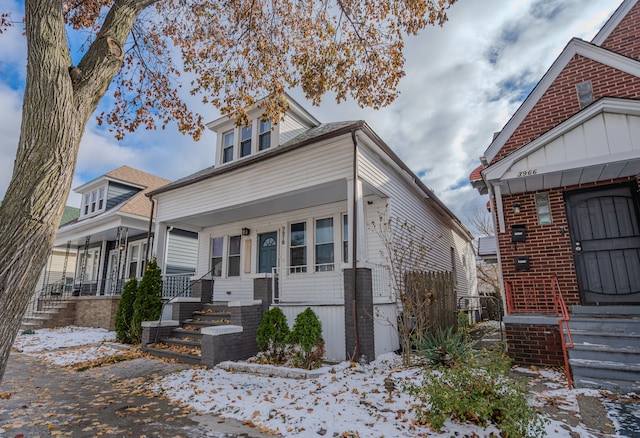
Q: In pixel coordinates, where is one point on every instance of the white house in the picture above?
(292, 205)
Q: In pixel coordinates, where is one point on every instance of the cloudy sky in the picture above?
(463, 81)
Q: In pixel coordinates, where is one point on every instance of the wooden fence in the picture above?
(431, 300)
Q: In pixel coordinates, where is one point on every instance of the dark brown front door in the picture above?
(604, 230)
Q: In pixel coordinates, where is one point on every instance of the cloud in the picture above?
(463, 82)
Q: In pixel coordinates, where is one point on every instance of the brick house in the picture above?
(562, 176)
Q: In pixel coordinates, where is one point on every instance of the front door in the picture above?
(605, 235)
(267, 251)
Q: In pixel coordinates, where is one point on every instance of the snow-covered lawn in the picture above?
(343, 398)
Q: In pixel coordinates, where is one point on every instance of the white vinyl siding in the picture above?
(307, 167)
(290, 128)
(182, 253)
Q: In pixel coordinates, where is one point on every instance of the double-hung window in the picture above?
(93, 201)
(233, 261)
(298, 248)
(227, 147)
(264, 137)
(216, 256)
(324, 244)
(245, 141)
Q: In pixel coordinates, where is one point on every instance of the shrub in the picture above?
(148, 303)
(444, 347)
(477, 394)
(124, 314)
(307, 339)
(272, 336)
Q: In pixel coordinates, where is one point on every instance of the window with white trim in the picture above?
(245, 141)
(216, 256)
(324, 245)
(233, 260)
(298, 247)
(264, 135)
(94, 201)
(227, 147)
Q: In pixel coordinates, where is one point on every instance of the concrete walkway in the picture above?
(40, 400)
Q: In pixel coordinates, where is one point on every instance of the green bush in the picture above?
(148, 303)
(306, 338)
(444, 347)
(477, 392)
(272, 336)
(124, 315)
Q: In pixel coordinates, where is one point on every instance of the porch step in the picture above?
(185, 333)
(606, 351)
(190, 359)
(200, 324)
(611, 375)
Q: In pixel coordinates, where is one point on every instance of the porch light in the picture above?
(246, 231)
(516, 207)
(121, 247)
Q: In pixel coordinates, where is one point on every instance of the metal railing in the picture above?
(542, 295)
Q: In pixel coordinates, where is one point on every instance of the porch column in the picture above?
(355, 210)
(160, 245)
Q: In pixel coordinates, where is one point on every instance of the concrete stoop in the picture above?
(606, 351)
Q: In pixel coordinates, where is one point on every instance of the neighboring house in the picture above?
(290, 209)
(109, 238)
(563, 180)
(57, 275)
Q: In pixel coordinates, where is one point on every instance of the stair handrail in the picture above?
(563, 323)
(181, 294)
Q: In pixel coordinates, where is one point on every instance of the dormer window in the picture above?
(264, 137)
(94, 201)
(245, 141)
(227, 150)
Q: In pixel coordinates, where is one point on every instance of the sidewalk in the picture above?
(39, 399)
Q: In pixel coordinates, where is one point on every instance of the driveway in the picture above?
(38, 399)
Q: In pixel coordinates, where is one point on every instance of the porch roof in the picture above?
(600, 143)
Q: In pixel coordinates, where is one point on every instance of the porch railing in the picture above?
(542, 295)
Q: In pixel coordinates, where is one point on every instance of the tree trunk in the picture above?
(54, 114)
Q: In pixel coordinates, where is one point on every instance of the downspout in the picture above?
(354, 249)
(146, 255)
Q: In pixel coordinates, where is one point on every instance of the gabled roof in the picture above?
(575, 47)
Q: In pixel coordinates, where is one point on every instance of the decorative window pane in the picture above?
(216, 256)
(298, 250)
(227, 150)
(324, 244)
(544, 208)
(264, 141)
(233, 266)
(345, 238)
(245, 142)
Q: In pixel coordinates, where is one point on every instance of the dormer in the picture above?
(114, 189)
(240, 142)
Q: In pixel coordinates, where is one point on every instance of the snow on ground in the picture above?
(343, 398)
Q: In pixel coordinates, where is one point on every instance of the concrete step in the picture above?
(200, 324)
(622, 339)
(608, 353)
(184, 333)
(605, 374)
(191, 359)
(181, 342)
(608, 324)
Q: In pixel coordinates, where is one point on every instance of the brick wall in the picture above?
(550, 251)
(534, 344)
(97, 311)
(625, 38)
(560, 101)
